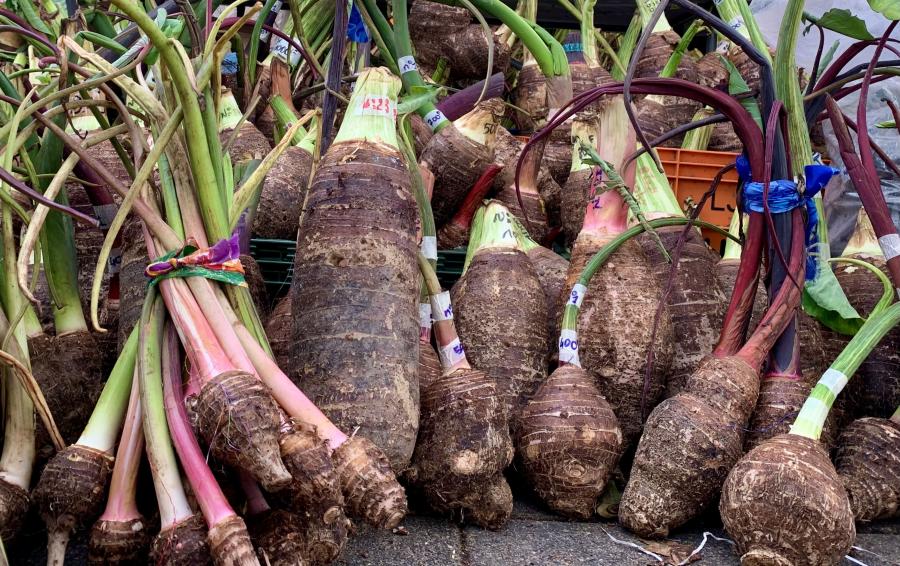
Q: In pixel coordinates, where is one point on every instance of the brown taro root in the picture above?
(238, 419)
(70, 493)
(69, 372)
(537, 223)
(314, 496)
(14, 504)
(184, 544)
(370, 489)
(670, 484)
(868, 461)
(132, 280)
(463, 447)
(569, 442)
(229, 542)
(278, 537)
(438, 30)
(724, 138)
(711, 71)
(458, 155)
(256, 285)
(501, 312)
(248, 143)
(530, 95)
(118, 542)
(281, 198)
(784, 504)
(464, 443)
(551, 270)
(658, 50)
(429, 365)
(617, 353)
(696, 303)
(455, 233)
(355, 286)
(278, 331)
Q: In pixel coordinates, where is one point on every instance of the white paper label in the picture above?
(834, 380)
(375, 105)
(407, 64)
(280, 49)
(441, 308)
(114, 263)
(577, 295)
(229, 113)
(434, 118)
(105, 214)
(452, 353)
(890, 246)
(568, 347)
(429, 247)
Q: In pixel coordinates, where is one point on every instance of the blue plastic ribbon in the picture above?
(230, 64)
(356, 28)
(572, 48)
(784, 197)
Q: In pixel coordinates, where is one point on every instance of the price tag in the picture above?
(407, 64)
(114, 263)
(577, 295)
(280, 49)
(568, 347)
(429, 247)
(452, 353)
(434, 118)
(441, 309)
(375, 105)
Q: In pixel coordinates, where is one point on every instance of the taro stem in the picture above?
(228, 538)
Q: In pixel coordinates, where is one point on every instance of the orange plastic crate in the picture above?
(691, 173)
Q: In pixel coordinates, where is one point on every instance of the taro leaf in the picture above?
(824, 299)
(890, 9)
(419, 97)
(886, 125)
(737, 85)
(844, 23)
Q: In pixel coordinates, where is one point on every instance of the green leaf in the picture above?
(737, 85)
(890, 9)
(824, 299)
(415, 101)
(843, 22)
(886, 125)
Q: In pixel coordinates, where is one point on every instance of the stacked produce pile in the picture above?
(594, 349)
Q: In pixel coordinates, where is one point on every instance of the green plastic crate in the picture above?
(276, 262)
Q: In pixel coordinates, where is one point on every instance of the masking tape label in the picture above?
(374, 105)
(568, 347)
(407, 64)
(429, 247)
(441, 308)
(434, 118)
(452, 353)
(890, 245)
(577, 295)
(834, 380)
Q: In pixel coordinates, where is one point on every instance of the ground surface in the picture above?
(533, 537)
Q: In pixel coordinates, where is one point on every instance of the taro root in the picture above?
(183, 544)
(551, 270)
(281, 199)
(314, 495)
(458, 155)
(238, 418)
(724, 138)
(69, 372)
(696, 303)
(438, 30)
(576, 192)
(71, 493)
(278, 331)
(569, 442)
(355, 282)
(455, 233)
(118, 542)
(370, 488)
(711, 71)
(248, 143)
(14, 504)
(867, 458)
(429, 365)
(501, 312)
(784, 504)
(256, 285)
(530, 95)
(279, 539)
(464, 443)
(229, 542)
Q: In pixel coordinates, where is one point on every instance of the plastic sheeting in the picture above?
(841, 200)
